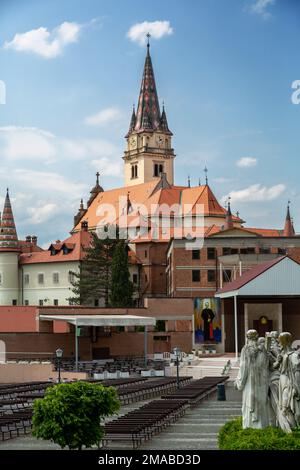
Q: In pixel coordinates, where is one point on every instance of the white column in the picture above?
(279, 316)
(76, 347)
(221, 277)
(246, 318)
(236, 328)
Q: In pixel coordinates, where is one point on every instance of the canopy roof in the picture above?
(278, 277)
(102, 320)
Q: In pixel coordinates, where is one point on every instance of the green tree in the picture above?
(70, 413)
(121, 288)
(93, 279)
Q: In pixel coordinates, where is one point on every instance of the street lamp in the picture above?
(59, 352)
(177, 352)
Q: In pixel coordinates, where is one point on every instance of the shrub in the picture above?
(233, 437)
(70, 413)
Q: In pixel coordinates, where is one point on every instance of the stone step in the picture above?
(191, 428)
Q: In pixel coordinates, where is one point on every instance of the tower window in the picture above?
(134, 171)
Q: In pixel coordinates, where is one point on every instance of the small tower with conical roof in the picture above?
(9, 257)
(288, 230)
(95, 190)
(228, 221)
(149, 149)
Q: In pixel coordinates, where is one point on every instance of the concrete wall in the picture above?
(14, 373)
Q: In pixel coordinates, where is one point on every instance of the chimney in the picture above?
(34, 239)
(84, 225)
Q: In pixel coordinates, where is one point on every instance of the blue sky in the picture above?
(72, 71)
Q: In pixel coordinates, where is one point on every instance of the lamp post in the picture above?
(177, 352)
(59, 353)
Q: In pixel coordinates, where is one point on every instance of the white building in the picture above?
(30, 275)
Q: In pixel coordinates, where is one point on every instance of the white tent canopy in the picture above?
(103, 320)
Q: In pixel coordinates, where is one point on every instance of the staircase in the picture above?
(208, 367)
(198, 429)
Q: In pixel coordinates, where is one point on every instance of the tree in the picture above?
(121, 288)
(70, 413)
(93, 279)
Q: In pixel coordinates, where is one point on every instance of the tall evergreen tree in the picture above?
(93, 279)
(121, 288)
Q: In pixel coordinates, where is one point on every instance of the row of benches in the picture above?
(142, 423)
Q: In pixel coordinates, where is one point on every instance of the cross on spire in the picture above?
(206, 179)
(148, 37)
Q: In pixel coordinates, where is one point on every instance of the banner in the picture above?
(207, 320)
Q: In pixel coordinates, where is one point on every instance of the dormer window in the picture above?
(53, 251)
(65, 250)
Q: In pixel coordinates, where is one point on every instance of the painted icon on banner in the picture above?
(207, 316)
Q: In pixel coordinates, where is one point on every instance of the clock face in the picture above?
(133, 141)
(159, 141)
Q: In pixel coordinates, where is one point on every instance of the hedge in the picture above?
(233, 437)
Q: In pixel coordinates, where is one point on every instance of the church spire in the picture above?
(228, 220)
(288, 226)
(8, 233)
(132, 122)
(163, 125)
(148, 112)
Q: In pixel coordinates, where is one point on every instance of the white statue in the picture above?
(253, 380)
(288, 362)
(273, 349)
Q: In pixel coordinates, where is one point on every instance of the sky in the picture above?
(71, 70)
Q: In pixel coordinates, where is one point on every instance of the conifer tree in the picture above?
(121, 287)
(93, 279)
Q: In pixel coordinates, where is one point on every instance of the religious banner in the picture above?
(207, 320)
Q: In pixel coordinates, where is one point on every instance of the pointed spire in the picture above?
(148, 112)
(163, 125)
(132, 122)
(228, 220)
(288, 226)
(128, 205)
(95, 190)
(80, 213)
(8, 233)
(206, 179)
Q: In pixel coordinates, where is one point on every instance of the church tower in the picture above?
(149, 140)
(9, 255)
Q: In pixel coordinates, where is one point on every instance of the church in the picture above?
(169, 259)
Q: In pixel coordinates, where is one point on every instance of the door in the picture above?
(262, 325)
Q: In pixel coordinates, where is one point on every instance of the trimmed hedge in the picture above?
(233, 437)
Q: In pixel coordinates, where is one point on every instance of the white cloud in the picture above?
(246, 162)
(41, 214)
(27, 143)
(108, 167)
(157, 29)
(89, 148)
(103, 117)
(52, 182)
(31, 143)
(260, 7)
(256, 192)
(47, 44)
